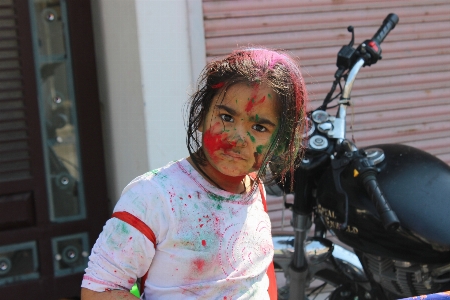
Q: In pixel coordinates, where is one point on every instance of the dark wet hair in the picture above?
(277, 70)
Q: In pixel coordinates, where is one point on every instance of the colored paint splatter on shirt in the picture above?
(124, 228)
(199, 264)
(152, 172)
(219, 198)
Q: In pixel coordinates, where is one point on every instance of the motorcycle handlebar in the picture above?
(387, 215)
(388, 24)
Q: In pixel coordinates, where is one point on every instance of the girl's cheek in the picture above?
(260, 149)
(258, 161)
(215, 139)
(252, 138)
(212, 141)
(259, 156)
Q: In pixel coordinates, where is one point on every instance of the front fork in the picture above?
(298, 269)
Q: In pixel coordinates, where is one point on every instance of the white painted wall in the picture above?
(149, 53)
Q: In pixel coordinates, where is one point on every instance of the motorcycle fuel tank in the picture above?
(416, 185)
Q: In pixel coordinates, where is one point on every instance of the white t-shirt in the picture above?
(211, 244)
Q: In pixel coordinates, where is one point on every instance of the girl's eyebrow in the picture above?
(229, 110)
(264, 121)
(233, 112)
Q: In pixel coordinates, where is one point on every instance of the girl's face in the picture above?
(239, 127)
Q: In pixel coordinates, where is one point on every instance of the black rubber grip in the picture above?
(387, 215)
(388, 24)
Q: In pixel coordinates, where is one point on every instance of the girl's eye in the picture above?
(259, 128)
(226, 118)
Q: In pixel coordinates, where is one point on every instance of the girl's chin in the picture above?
(228, 170)
(231, 167)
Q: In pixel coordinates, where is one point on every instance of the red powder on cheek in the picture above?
(214, 142)
(251, 104)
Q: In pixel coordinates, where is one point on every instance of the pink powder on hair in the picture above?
(266, 57)
(217, 85)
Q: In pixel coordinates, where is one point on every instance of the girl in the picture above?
(197, 228)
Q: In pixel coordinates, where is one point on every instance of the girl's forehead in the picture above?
(250, 99)
(248, 91)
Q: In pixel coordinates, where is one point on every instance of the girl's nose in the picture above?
(238, 140)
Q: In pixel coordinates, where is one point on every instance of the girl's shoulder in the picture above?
(154, 178)
(150, 190)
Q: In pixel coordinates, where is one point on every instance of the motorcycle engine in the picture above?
(405, 279)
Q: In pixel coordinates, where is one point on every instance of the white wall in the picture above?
(148, 54)
(163, 30)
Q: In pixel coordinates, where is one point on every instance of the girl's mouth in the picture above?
(233, 155)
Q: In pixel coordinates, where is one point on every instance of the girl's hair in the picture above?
(277, 70)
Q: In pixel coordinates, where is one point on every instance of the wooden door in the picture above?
(53, 200)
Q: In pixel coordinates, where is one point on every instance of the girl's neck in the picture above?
(232, 184)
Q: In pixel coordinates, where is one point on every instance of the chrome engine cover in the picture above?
(406, 279)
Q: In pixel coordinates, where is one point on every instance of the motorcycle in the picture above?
(386, 206)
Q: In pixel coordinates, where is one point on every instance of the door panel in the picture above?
(53, 200)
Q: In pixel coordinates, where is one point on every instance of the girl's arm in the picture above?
(120, 256)
(87, 294)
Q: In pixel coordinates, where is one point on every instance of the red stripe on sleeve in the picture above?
(136, 223)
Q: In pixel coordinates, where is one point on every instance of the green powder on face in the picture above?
(252, 138)
(269, 96)
(259, 149)
(256, 118)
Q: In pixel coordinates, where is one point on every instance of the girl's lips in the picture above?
(233, 155)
